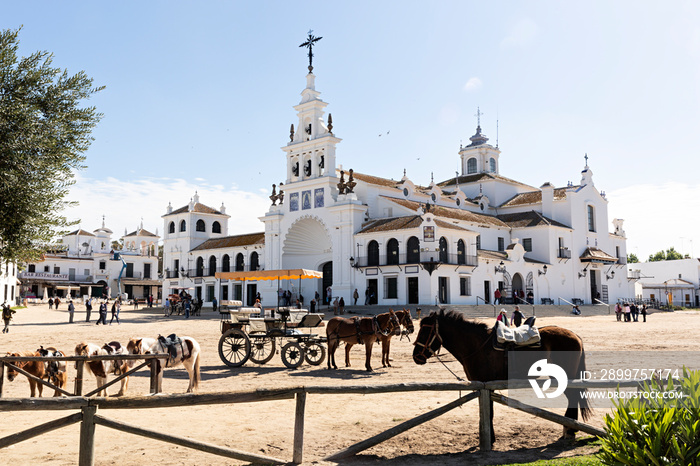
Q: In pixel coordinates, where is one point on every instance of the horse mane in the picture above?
(457, 319)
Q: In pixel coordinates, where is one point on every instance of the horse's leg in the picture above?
(347, 353)
(493, 432)
(386, 343)
(571, 412)
(125, 381)
(332, 345)
(33, 388)
(368, 353)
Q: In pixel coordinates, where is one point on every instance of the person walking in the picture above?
(102, 319)
(618, 312)
(355, 296)
(166, 308)
(497, 296)
(50, 303)
(7, 317)
(71, 311)
(367, 296)
(329, 295)
(341, 305)
(214, 304)
(88, 309)
(150, 300)
(188, 306)
(517, 317)
(116, 307)
(56, 302)
(644, 312)
(335, 306)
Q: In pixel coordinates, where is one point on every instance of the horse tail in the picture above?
(584, 406)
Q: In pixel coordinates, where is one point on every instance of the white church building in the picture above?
(404, 243)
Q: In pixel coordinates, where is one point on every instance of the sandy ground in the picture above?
(332, 422)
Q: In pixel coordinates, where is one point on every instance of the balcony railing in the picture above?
(404, 259)
(204, 271)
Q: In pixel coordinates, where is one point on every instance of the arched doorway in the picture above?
(307, 245)
(327, 280)
(518, 286)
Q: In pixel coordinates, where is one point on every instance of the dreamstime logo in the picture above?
(543, 368)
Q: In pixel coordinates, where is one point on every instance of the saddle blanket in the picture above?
(521, 336)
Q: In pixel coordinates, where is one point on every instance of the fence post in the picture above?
(87, 436)
(154, 376)
(2, 375)
(299, 427)
(485, 420)
(79, 378)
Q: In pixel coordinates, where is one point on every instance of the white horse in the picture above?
(100, 369)
(187, 353)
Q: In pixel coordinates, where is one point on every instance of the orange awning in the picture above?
(284, 274)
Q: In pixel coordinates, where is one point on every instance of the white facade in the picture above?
(675, 282)
(8, 282)
(86, 265)
(454, 241)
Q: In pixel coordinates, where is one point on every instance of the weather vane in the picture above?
(310, 41)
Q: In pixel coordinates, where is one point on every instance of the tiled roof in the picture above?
(80, 232)
(403, 223)
(476, 177)
(454, 213)
(596, 255)
(486, 254)
(232, 241)
(375, 180)
(529, 219)
(141, 232)
(201, 208)
(533, 197)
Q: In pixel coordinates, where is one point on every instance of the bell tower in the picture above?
(479, 156)
(311, 147)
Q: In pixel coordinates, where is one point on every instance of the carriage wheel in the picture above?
(262, 349)
(292, 355)
(315, 353)
(234, 347)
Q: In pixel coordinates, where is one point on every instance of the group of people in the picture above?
(516, 318)
(286, 298)
(54, 302)
(630, 312)
(499, 296)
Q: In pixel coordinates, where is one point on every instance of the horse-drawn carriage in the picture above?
(247, 336)
(255, 334)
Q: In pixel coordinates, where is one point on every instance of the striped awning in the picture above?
(283, 274)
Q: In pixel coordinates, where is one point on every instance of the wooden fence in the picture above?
(89, 418)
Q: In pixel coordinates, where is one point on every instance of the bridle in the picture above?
(432, 336)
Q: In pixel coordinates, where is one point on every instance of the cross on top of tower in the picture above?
(478, 116)
(310, 41)
(586, 157)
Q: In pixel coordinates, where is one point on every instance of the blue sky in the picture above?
(199, 96)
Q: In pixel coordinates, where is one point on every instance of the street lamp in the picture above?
(500, 268)
(543, 271)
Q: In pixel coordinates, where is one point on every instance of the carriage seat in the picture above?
(525, 335)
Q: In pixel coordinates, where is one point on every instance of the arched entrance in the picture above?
(307, 245)
(327, 280)
(518, 286)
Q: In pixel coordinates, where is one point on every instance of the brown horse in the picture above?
(471, 343)
(358, 330)
(36, 368)
(405, 322)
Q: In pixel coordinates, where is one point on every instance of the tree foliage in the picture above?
(632, 259)
(44, 132)
(669, 255)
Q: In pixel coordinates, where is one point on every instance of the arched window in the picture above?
(461, 253)
(183, 226)
(226, 263)
(216, 227)
(471, 166)
(443, 250)
(171, 227)
(200, 225)
(199, 269)
(212, 266)
(392, 252)
(492, 165)
(254, 261)
(239, 262)
(373, 253)
(413, 250)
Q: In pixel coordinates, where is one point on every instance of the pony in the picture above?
(186, 352)
(36, 368)
(56, 372)
(100, 369)
(471, 343)
(405, 321)
(358, 330)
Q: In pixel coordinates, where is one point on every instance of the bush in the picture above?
(656, 431)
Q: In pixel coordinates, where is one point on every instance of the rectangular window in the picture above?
(32, 268)
(86, 272)
(129, 269)
(56, 270)
(527, 244)
(478, 242)
(501, 244)
(465, 286)
(146, 270)
(224, 292)
(591, 218)
(238, 292)
(46, 269)
(391, 288)
(617, 251)
(103, 265)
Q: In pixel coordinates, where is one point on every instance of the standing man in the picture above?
(644, 312)
(6, 317)
(367, 296)
(329, 295)
(497, 296)
(355, 295)
(88, 309)
(517, 318)
(71, 311)
(214, 304)
(341, 305)
(102, 319)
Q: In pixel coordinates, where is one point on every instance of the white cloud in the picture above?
(124, 203)
(473, 84)
(521, 35)
(658, 217)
